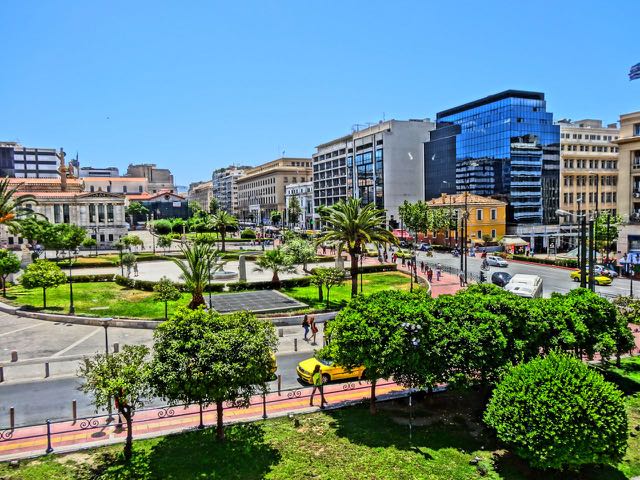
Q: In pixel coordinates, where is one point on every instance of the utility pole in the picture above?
(592, 259)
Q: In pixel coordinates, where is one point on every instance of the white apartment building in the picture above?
(303, 192)
(629, 185)
(381, 164)
(124, 185)
(224, 187)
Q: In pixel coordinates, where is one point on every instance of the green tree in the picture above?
(166, 291)
(63, 236)
(9, 263)
(556, 412)
(300, 251)
(134, 210)
(13, 205)
(128, 260)
(206, 358)
(606, 229)
(295, 210)
(130, 241)
(332, 276)
(317, 279)
(222, 222)
(42, 274)
(165, 241)
(123, 376)
(369, 332)
(199, 259)
(178, 225)
(214, 205)
(277, 261)
(89, 243)
(628, 312)
(352, 226)
(162, 227)
(276, 217)
(415, 217)
(31, 228)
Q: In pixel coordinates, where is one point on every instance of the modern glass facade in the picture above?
(504, 146)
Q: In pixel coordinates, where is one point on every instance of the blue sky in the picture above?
(194, 86)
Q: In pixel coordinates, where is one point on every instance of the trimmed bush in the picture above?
(383, 267)
(560, 262)
(147, 285)
(268, 285)
(162, 227)
(100, 277)
(248, 234)
(556, 412)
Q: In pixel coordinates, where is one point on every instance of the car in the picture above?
(372, 252)
(329, 370)
(606, 270)
(524, 285)
(495, 261)
(274, 364)
(424, 247)
(597, 279)
(500, 278)
(404, 254)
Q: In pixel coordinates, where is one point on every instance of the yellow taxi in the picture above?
(597, 279)
(372, 252)
(328, 369)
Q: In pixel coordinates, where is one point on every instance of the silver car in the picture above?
(494, 261)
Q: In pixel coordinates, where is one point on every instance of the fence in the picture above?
(106, 428)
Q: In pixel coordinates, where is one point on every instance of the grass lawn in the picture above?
(107, 299)
(340, 294)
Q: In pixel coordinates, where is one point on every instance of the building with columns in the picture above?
(101, 214)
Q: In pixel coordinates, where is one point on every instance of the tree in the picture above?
(128, 260)
(31, 228)
(135, 209)
(14, 206)
(276, 217)
(300, 251)
(166, 291)
(178, 225)
(221, 222)
(123, 376)
(63, 236)
(204, 357)
(556, 412)
(606, 229)
(196, 268)
(214, 205)
(352, 226)
(130, 241)
(277, 261)
(42, 274)
(162, 227)
(317, 279)
(369, 332)
(295, 210)
(89, 243)
(165, 242)
(9, 263)
(415, 217)
(628, 312)
(332, 276)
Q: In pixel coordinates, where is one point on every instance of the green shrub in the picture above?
(162, 227)
(147, 285)
(248, 233)
(560, 262)
(177, 225)
(268, 285)
(556, 412)
(100, 277)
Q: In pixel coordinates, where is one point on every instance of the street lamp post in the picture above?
(105, 324)
(71, 257)
(582, 244)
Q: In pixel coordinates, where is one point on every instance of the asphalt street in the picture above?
(37, 401)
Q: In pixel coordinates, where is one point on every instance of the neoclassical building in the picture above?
(63, 200)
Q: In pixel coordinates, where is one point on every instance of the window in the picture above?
(124, 189)
(636, 129)
(65, 214)
(479, 214)
(101, 215)
(479, 233)
(57, 214)
(92, 213)
(494, 214)
(109, 212)
(111, 237)
(493, 234)
(92, 188)
(102, 237)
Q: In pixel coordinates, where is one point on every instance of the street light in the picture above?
(71, 257)
(105, 324)
(583, 248)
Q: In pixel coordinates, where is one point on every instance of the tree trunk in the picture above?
(44, 298)
(275, 280)
(618, 364)
(128, 446)
(372, 402)
(222, 232)
(354, 274)
(219, 422)
(4, 286)
(328, 291)
(320, 293)
(166, 317)
(197, 299)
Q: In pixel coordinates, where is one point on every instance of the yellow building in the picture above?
(487, 216)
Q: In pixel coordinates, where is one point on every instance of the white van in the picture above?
(528, 286)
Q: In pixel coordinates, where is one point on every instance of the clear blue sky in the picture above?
(196, 85)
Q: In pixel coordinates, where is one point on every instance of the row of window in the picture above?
(605, 197)
(318, 167)
(92, 188)
(592, 163)
(587, 148)
(579, 136)
(582, 180)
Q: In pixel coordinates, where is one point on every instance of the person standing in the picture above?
(429, 274)
(316, 377)
(305, 326)
(438, 272)
(314, 330)
(461, 277)
(135, 268)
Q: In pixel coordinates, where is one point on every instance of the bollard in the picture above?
(49, 447)
(281, 332)
(1, 374)
(279, 384)
(295, 344)
(264, 405)
(12, 418)
(46, 369)
(74, 410)
(116, 347)
(14, 356)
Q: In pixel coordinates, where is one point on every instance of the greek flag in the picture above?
(634, 73)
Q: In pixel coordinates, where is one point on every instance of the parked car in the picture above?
(404, 254)
(500, 278)
(528, 286)
(597, 279)
(424, 247)
(328, 369)
(494, 261)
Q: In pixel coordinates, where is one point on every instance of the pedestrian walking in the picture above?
(305, 326)
(314, 330)
(422, 267)
(135, 269)
(316, 377)
(429, 274)
(324, 249)
(438, 272)
(461, 277)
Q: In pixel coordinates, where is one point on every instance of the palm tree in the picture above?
(277, 261)
(221, 221)
(352, 226)
(13, 207)
(199, 258)
(295, 210)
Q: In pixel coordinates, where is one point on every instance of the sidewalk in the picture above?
(447, 285)
(98, 431)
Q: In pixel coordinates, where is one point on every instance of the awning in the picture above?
(402, 234)
(513, 241)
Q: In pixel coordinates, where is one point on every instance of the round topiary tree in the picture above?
(248, 233)
(556, 412)
(162, 227)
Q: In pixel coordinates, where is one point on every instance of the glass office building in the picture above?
(504, 146)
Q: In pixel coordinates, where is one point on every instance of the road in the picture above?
(554, 279)
(35, 401)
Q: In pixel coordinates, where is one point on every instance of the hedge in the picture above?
(100, 277)
(561, 262)
(268, 285)
(147, 285)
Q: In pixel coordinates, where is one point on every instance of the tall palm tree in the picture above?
(277, 261)
(13, 207)
(352, 226)
(198, 264)
(221, 221)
